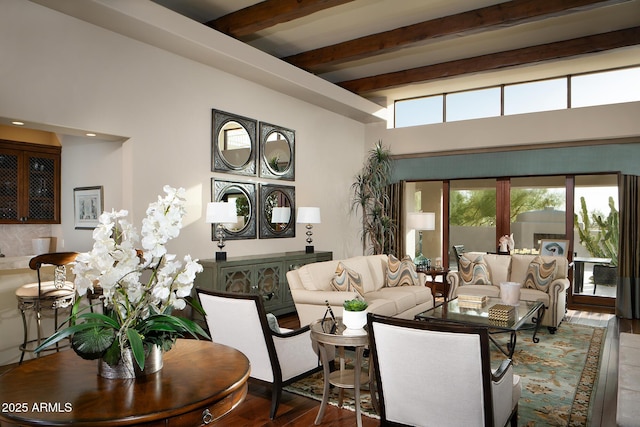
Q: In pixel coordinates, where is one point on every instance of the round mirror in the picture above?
(277, 211)
(240, 198)
(277, 153)
(234, 144)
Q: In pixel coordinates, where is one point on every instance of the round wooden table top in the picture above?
(62, 388)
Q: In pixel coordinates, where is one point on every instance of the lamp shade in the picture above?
(280, 215)
(308, 215)
(421, 220)
(221, 213)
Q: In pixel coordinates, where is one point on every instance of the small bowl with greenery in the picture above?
(354, 315)
(355, 304)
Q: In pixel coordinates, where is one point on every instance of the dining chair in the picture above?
(48, 293)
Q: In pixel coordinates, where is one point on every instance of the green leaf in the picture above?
(112, 355)
(135, 340)
(62, 334)
(91, 343)
(101, 318)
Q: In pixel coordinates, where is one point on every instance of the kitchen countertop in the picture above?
(15, 262)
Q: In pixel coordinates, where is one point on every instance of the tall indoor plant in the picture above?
(140, 287)
(371, 196)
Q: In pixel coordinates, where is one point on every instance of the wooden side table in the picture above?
(324, 334)
(200, 382)
(437, 287)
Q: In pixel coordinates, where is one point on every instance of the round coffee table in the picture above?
(326, 332)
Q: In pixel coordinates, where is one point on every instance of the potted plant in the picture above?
(370, 194)
(354, 315)
(141, 288)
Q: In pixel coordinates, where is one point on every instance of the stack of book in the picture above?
(502, 314)
(472, 301)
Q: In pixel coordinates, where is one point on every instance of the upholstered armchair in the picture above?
(277, 358)
(439, 375)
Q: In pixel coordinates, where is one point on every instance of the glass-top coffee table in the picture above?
(479, 316)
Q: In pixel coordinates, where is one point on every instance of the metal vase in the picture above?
(127, 366)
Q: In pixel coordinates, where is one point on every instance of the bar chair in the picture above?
(45, 295)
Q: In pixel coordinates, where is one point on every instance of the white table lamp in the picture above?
(309, 216)
(421, 221)
(221, 213)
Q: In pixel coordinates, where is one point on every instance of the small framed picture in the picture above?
(87, 207)
(554, 247)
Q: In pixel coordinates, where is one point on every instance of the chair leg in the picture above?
(514, 417)
(39, 328)
(276, 393)
(23, 347)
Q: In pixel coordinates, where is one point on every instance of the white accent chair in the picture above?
(240, 321)
(439, 374)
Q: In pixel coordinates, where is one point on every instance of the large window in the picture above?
(472, 215)
(530, 97)
(606, 87)
(473, 104)
(537, 211)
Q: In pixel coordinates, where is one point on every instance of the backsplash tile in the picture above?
(15, 239)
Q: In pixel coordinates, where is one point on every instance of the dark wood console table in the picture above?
(200, 382)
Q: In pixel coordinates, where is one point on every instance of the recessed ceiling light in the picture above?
(17, 123)
(91, 134)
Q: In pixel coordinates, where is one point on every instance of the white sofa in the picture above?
(514, 268)
(310, 287)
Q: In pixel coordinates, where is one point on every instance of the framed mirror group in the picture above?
(238, 148)
(243, 146)
(275, 212)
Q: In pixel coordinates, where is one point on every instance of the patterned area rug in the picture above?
(558, 376)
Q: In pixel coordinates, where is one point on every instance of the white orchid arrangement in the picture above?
(141, 288)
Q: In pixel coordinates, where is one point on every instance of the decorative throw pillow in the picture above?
(346, 279)
(540, 274)
(401, 273)
(474, 271)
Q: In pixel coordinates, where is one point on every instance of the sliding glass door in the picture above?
(576, 216)
(596, 232)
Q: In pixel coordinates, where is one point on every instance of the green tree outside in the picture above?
(478, 207)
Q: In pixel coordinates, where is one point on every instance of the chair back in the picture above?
(458, 250)
(240, 321)
(58, 259)
(431, 373)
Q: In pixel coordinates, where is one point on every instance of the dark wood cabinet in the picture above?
(29, 183)
(258, 274)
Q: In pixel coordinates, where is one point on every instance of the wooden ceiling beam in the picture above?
(267, 14)
(475, 21)
(528, 55)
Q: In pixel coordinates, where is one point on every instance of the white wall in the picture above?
(57, 70)
(61, 71)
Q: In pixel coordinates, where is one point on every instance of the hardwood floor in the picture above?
(297, 411)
